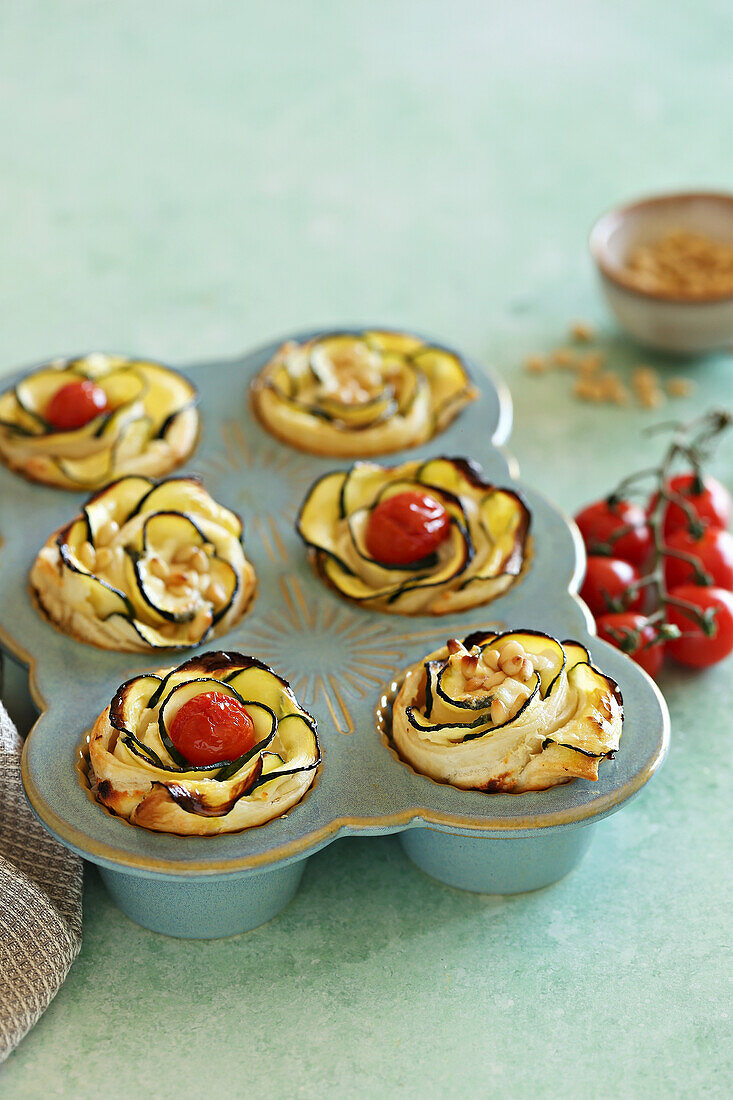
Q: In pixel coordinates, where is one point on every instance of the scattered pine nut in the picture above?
(582, 331)
(565, 357)
(535, 364)
(591, 362)
(680, 387)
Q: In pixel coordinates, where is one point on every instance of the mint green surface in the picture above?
(187, 179)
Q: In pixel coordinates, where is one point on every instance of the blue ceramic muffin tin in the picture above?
(342, 662)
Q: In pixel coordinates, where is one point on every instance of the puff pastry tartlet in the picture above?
(517, 711)
(146, 566)
(137, 417)
(354, 395)
(137, 770)
(475, 545)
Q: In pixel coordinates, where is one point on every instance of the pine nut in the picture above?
(107, 532)
(87, 555)
(199, 561)
(216, 593)
(498, 711)
(527, 669)
(159, 568)
(104, 557)
(490, 658)
(511, 648)
(511, 666)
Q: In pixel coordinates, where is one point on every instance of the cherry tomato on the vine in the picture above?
(713, 550)
(211, 728)
(609, 579)
(698, 647)
(406, 527)
(631, 632)
(75, 404)
(619, 529)
(712, 506)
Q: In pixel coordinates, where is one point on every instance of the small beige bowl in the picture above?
(679, 325)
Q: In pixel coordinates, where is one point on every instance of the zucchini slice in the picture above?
(131, 702)
(104, 598)
(116, 502)
(446, 373)
(167, 393)
(396, 342)
(92, 470)
(187, 494)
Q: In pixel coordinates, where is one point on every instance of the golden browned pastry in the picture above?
(517, 711)
(357, 395)
(363, 528)
(79, 423)
(210, 708)
(146, 566)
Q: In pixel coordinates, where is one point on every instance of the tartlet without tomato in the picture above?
(518, 711)
(146, 566)
(355, 395)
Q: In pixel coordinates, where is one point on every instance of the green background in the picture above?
(187, 179)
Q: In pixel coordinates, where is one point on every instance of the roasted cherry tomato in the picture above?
(699, 647)
(631, 633)
(712, 506)
(211, 728)
(620, 529)
(609, 579)
(406, 528)
(75, 404)
(713, 550)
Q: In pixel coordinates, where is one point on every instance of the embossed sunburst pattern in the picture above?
(332, 654)
(267, 514)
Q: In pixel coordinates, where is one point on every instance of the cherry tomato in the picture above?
(697, 648)
(211, 728)
(612, 578)
(712, 506)
(713, 550)
(406, 528)
(600, 524)
(631, 633)
(75, 404)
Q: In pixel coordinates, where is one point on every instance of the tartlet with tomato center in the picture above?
(79, 423)
(420, 538)
(217, 745)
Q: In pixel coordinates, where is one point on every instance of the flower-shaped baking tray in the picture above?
(341, 661)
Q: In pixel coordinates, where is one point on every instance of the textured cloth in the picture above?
(40, 903)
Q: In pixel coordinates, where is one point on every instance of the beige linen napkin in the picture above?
(40, 903)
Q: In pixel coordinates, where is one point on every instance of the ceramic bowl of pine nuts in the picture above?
(666, 269)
